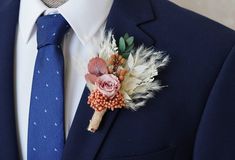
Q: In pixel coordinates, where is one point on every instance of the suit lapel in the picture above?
(8, 140)
(128, 16)
(123, 18)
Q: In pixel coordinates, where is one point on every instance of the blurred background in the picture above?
(222, 11)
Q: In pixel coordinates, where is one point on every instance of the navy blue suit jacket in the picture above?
(192, 119)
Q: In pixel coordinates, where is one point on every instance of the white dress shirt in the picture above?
(87, 18)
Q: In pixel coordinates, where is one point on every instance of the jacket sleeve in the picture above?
(215, 139)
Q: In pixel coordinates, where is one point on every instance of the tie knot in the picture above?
(51, 29)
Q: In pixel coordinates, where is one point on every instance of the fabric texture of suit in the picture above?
(191, 119)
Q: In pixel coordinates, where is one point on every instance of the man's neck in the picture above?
(54, 3)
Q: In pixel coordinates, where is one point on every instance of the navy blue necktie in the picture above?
(46, 116)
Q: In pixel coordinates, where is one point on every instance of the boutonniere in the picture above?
(121, 76)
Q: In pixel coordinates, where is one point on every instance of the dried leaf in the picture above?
(130, 61)
(139, 69)
(91, 78)
(97, 66)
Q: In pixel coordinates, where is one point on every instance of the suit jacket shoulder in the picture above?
(187, 24)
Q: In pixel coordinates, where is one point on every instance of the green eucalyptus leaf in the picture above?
(122, 45)
(129, 48)
(126, 36)
(125, 55)
(130, 41)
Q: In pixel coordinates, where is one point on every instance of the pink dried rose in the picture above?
(97, 66)
(108, 84)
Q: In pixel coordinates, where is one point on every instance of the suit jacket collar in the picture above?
(130, 17)
(125, 16)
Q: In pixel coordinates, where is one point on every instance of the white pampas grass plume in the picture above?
(108, 45)
(140, 84)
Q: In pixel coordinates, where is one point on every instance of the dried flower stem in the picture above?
(95, 120)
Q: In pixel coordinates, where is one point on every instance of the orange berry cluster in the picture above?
(99, 102)
(114, 62)
(121, 74)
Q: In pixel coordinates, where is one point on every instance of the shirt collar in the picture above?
(84, 16)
